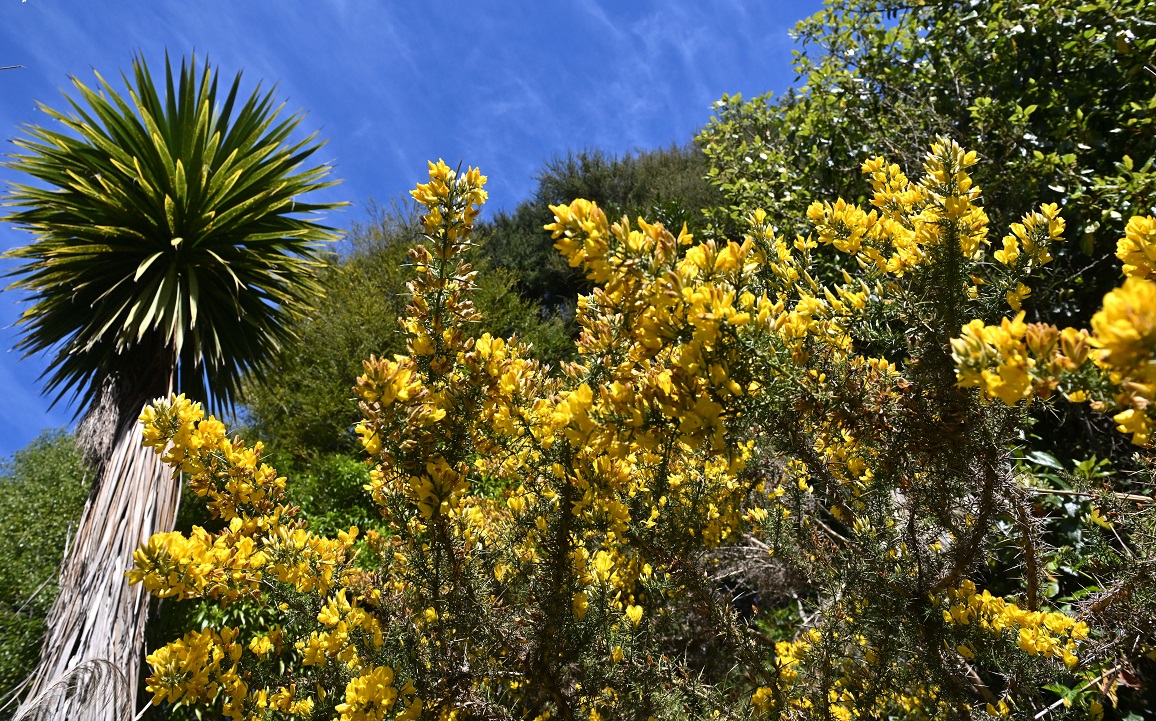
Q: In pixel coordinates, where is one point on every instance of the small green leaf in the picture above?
(1041, 458)
(1088, 243)
(171, 213)
(144, 266)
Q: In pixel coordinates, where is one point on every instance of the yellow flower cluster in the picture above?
(1124, 331)
(1032, 238)
(1138, 247)
(405, 401)
(847, 697)
(227, 473)
(1028, 246)
(339, 618)
(202, 666)
(445, 186)
(206, 667)
(1050, 634)
(909, 219)
(260, 544)
(371, 696)
(224, 567)
(1015, 361)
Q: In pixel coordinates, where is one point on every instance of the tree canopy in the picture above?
(1057, 97)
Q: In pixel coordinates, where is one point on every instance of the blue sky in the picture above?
(502, 84)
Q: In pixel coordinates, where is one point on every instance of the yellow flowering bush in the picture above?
(730, 422)
(1113, 366)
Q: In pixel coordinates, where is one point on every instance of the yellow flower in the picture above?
(634, 613)
(603, 566)
(580, 604)
(1138, 247)
(1125, 328)
(1016, 296)
(1097, 518)
(368, 697)
(1011, 250)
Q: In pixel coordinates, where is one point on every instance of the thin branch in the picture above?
(34, 595)
(830, 531)
(1087, 494)
(1031, 572)
(979, 685)
(965, 558)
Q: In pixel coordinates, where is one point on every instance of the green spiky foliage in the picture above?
(172, 236)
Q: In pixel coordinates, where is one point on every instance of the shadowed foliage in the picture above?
(42, 491)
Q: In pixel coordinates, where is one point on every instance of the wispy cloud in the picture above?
(592, 8)
(503, 85)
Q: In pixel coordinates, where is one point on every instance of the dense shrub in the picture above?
(42, 492)
(302, 404)
(1058, 97)
(667, 185)
(751, 494)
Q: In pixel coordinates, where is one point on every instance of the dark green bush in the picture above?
(42, 493)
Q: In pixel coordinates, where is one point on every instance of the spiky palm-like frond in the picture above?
(171, 233)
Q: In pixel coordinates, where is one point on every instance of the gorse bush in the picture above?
(303, 405)
(666, 184)
(1060, 97)
(751, 494)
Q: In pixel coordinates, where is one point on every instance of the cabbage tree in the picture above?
(173, 238)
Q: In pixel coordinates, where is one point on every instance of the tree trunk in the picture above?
(97, 617)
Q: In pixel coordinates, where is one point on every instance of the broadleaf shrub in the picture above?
(42, 491)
